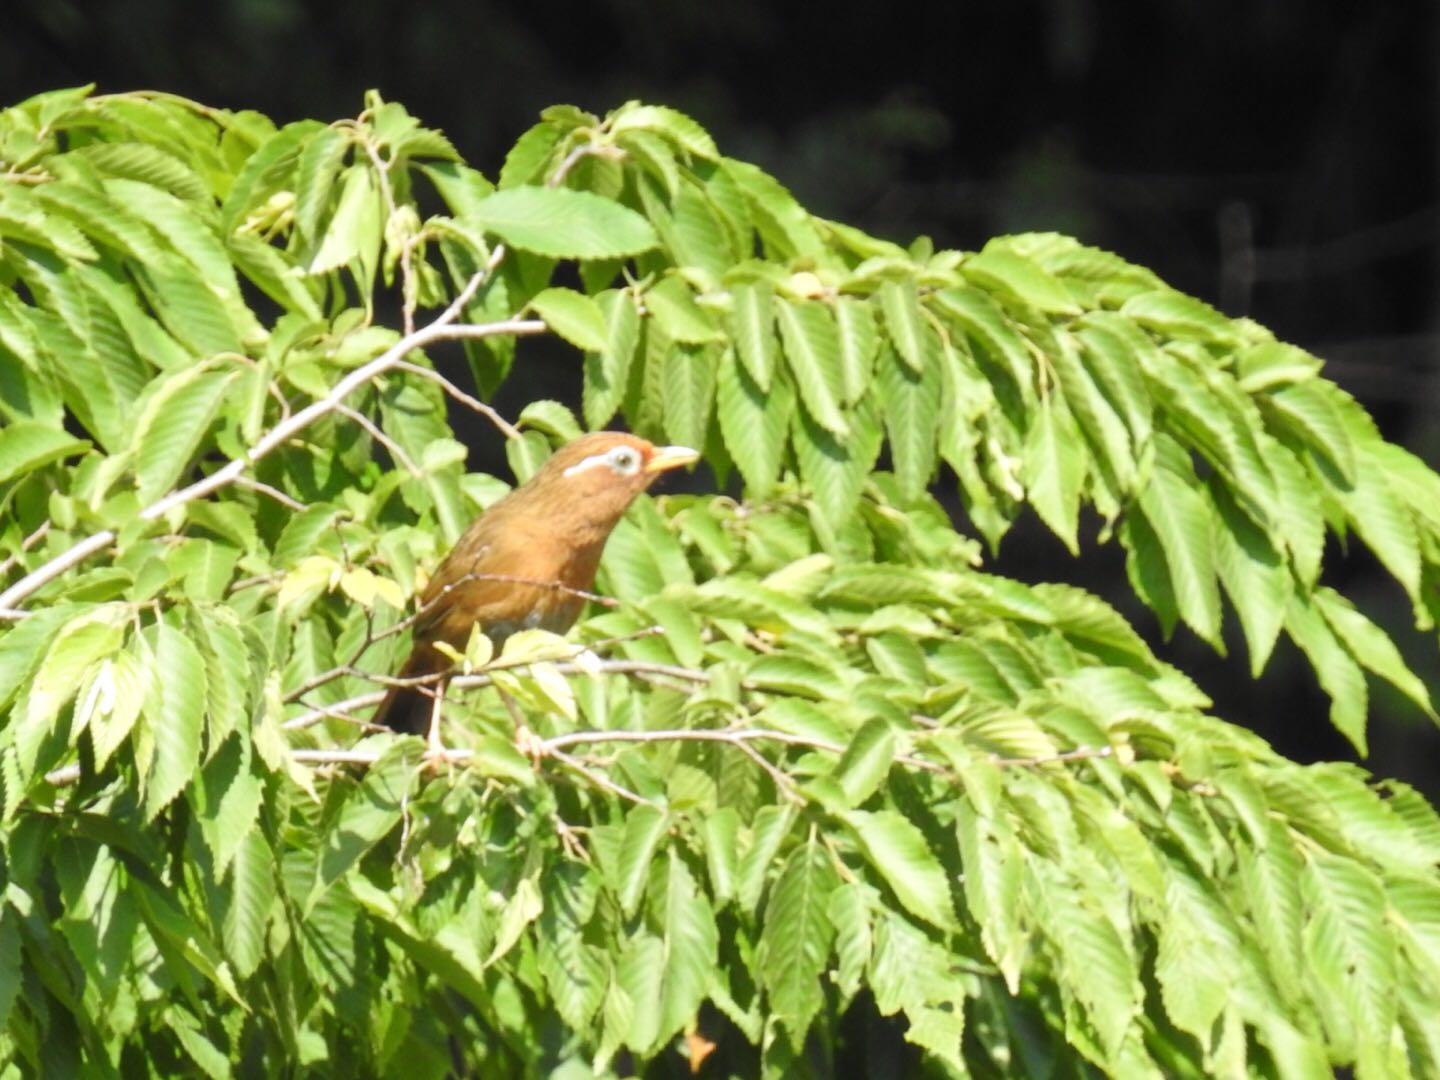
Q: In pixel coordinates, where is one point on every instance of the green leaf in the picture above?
(562, 224)
(607, 371)
(671, 123)
(755, 425)
(371, 809)
(1370, 645)
(173, 715)
(574, 316)
(812, 347)
(1007, 272)
(172, 421)
(906, 325)
(673, 306)
(767, 832)
(690, 941)
(866, 761)
(752, 322)
(250, 894)
(1339, 674)
(352, 235)
(835, 470)
(1181, 519)
(1173, 314)
(1054, 468)
(859, 343)
(89, 637)
(897, 850)
(910, 403)
(982, 319)
(1253, 573)
(27, 445)
(644, 829)
(795, 939)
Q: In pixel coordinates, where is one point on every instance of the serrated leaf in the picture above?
(250, 894)
(755, 425)
(27, 445)
(671, 123)
(812, 348)
(1054, 468)
(859, 343)
(1339, 674)
(1371, 646)
(1253, 574)
(1181, 520)
(371, 808)
(644, 828)
(673, 306)
(910, 404)
(574, 316)
(607, 371)
(999, 269)
(906, 325)
(173, 714)
(690, 940)
(898, 852)
(834, 469)
(795, 939)
(1173, 314)
(172, 422)
(562, 224)
(353, 233)
(866, 761)
(752, 321)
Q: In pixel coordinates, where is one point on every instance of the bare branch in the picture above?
(509, 430)
(401, 458)
(274, 493)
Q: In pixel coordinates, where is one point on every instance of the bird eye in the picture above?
(624, 460)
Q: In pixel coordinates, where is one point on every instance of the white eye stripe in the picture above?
(621, 459)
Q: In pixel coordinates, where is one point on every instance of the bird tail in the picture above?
(407, 709)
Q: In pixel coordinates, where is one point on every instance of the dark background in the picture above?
(1276, 157)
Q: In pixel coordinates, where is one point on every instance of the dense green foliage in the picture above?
(812, 751)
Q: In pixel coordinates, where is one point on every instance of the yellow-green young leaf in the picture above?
(644, 829)
(1300, 522)
(607, 371)
(314, 575)
(529, 159)
(27, 445)
(87, 638)
(1173, 314)
(1370, 645)
(849, 912)
(352, 235)
(1097, 419)
(812, 348)
(654, 155)
(120, 686)
(173, 715)
(1272, 364)
(574, 316)
(794, 947)
(562, 223)
(754, 424)
(859, 342)
(1310, 411)
(866, 761)
(1107, 349)
(752, 326)
(898, 852)
(315, 174)
(1054, 469)
(674, 125)
(365, 587)
(1339, 675)
(497, 757)
(910, 402)
(172, 422)
(906, 325)
(1001, 270)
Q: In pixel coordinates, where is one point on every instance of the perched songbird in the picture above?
(525, 562)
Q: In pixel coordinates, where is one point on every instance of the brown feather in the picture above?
(551, 532)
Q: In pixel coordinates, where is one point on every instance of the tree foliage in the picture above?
(811, 752)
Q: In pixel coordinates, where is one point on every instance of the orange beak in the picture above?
(671, 457)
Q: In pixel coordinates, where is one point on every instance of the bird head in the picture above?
(593, 480)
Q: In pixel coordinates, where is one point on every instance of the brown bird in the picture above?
(527, 561)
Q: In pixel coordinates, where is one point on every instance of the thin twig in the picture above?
(401, 458)
(509, 430)
(274, 493)
(599, 779)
